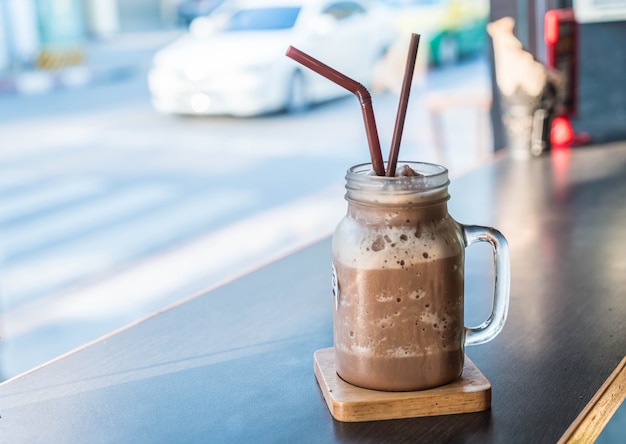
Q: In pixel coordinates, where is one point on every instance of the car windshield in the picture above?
(263, 19)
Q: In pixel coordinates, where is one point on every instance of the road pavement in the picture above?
(110, 211)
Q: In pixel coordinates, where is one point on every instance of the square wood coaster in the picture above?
(348, 403)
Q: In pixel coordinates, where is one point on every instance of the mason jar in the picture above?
(398, 281)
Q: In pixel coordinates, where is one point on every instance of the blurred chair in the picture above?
(475, 104)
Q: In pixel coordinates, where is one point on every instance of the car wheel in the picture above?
(447, 50)
(297, 95)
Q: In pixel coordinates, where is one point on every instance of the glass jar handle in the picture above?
(489, 329)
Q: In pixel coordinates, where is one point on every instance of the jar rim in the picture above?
(431, 176)
(429, 188)
(425, 168)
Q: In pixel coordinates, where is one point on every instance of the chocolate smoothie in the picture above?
(399, 303)
(398, 265)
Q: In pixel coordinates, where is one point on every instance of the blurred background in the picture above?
(145, 156)
(152, 149)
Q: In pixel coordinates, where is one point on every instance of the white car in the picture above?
(233, 61)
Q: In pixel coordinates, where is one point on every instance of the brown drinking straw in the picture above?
(402, 105)
(358, 90)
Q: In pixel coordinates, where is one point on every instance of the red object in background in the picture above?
(561, 37)
(562, 132)
(551, 32)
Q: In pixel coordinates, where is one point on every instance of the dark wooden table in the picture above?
(235, 364)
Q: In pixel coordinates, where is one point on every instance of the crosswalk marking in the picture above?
(68, 222)
(113, 247)
(224, 253)
(47, 195)
(10, 179)
(90, 284)
(104, 234)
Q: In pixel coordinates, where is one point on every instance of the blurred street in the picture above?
(110, 211)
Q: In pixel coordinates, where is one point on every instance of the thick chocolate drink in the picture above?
(399, 313)
(398, 266)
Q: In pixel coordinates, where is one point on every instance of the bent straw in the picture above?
(402, 105)
(359, 91)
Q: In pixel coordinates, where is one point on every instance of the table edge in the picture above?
(599, 410)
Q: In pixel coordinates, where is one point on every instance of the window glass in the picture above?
(262, 19)
(344, 10)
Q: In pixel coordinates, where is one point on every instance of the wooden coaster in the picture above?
(348, 403)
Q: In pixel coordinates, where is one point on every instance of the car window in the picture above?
(343, 10)
(262, 19)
